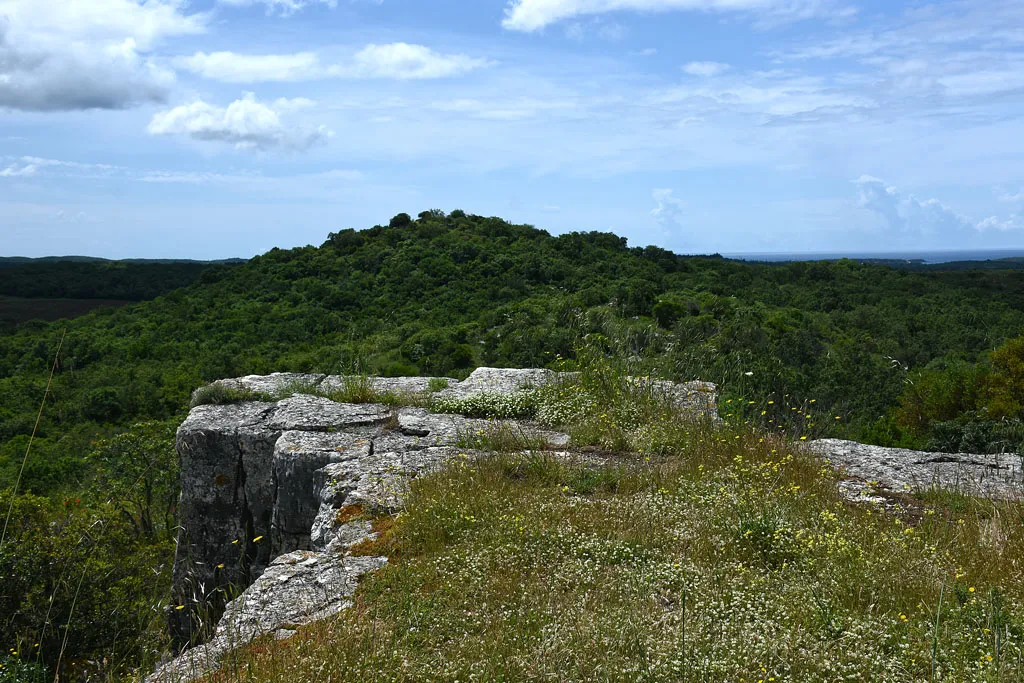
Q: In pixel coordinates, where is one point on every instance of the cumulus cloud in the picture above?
(532, 15)
(907, 215)
(706, 69)
(670, 210)
(245, 124)
(393, 60)
(58, 55)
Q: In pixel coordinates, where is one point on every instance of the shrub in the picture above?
(218, 394)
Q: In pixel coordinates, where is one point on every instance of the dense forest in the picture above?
(929, 358)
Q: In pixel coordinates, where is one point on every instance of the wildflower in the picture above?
(234, 542)
(971, 589)
(903, 617)
(179, 607)
(257, 539)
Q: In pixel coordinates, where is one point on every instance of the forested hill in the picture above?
(931, 359)
(442, 294)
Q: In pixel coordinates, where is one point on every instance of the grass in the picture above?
(501, 436)
(736, 562)
(218, 394)
(718, 553)
(353, 389)
(703, 552)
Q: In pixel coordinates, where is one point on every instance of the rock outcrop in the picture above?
(275, 492)
(902, 470)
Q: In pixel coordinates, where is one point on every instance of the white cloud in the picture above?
(394, 60)
(284, 8)
(31, 166)
(706, 69)
(905, 214)
(231, 67)
(405, 61)
(670, 211)
(532, 15)
(1007, 197)
(206, 178)
(994, 223)
(244, 124)
(18, 170)
(86, 54)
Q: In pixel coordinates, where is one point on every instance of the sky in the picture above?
(223, 128)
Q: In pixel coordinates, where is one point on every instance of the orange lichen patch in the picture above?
(348, 513)
(385, 545)
(222, 480)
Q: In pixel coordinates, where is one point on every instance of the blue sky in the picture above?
(218, 128)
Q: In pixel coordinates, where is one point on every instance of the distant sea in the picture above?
(920, 256)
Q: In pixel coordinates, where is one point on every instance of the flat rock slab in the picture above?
(297, 589)
(900, 469)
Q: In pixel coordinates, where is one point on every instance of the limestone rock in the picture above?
(499, 381)
(900, 469)
(296, 589)
(296, 479)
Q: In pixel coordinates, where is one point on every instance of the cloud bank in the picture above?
(61, 55)
(906, 215)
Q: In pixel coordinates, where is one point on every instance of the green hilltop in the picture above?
(926, 359)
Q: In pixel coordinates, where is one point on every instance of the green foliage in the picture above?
(14, 669)
(1007, 384)
(218, 394)
(441, 294)
(137, 473)
(436, 384)
(123, 280)
(965, 407)
(79, 570)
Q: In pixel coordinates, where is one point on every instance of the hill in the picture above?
(922, 359)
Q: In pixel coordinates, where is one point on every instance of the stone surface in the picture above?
(296, 479)
(499, 381)
(296, 589)
(899, 469)
(274, 383)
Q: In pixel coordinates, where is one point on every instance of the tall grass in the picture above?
(721, 553)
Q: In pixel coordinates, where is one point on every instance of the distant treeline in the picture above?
(97, 279)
